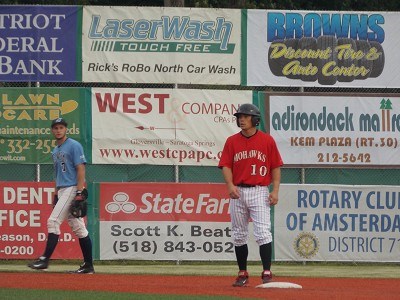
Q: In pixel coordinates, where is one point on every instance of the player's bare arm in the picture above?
(228, 177)
(80, 173)
(276, 181)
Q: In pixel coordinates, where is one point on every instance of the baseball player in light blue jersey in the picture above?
(69, 166)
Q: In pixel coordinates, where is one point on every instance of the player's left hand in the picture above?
(273, 198)
(234, 192)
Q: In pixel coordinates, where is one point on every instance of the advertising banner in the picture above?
(167, 221)
(40, 43)
(161, 45)
(337, 223)
(322, 48)
(322, 130)
(24, 209)
(163, 126)
(25, 121)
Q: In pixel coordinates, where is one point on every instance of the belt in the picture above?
(64, 186)
(246, 185)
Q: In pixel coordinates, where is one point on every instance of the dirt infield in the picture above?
(313, 288)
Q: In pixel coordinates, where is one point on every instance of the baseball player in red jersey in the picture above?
(250, 162)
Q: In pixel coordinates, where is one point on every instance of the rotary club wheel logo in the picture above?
(306, 244)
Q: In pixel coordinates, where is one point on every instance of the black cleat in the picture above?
(85, 268)
(40, 264)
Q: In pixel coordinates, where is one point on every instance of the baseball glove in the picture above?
(79, 204)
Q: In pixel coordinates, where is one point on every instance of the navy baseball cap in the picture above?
(59, 121)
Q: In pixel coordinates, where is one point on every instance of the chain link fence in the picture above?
(204, 174)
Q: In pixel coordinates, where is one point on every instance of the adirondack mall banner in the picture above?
(327, 130)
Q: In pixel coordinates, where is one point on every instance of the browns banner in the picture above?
(322, 48)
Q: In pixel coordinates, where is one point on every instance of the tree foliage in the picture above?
(343, 5)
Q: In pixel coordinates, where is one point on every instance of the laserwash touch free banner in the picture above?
(161, 45)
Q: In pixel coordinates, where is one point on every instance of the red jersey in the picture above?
(251, 159)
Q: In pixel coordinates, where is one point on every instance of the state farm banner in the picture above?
(161, 45)
(24, 210)
(346, 130)
(322, 48)
(40, 43)
(337, 223)
(166, 221)
(163, 126)
(25, 122)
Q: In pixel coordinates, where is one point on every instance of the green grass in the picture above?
(284, 269)
(10, 294)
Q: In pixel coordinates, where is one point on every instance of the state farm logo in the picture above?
(151, 203)
(120, 203)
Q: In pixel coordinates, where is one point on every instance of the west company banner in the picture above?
(337, 223)
(39, 43)
(161, 45)
(326, 130)
(24, 209)
(163, 126)
(167, 221)
(25, 122)
(303, 48)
